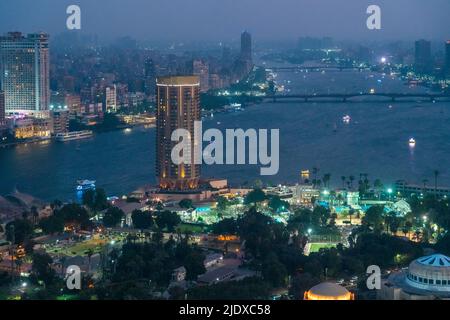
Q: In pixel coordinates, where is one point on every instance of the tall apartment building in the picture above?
(24, 73)
(178, 106)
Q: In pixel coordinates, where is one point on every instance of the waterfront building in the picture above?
(60, 121)
(24, 73)
(31, 127)
(328, 291)
(73, 103)
(111, 99)
(427, 278)
(423, 61)
(178, 106)
(2, 109)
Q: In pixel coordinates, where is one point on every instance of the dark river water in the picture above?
(311, 135)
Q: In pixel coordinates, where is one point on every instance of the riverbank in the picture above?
(51, 139)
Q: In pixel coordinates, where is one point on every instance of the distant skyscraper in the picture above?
(246, 46)
(2, 109)
(149, 76)
(178, 107)
(447, 57)
(201, 69)
(423, 62)
(24, 63)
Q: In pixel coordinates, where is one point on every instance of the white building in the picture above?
(427, 278)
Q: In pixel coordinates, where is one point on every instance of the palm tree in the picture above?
(424, 181)
(35, 214)
(315, 171)
(351, 178)
(89, 254)
(343, 178)
(326, 180)
(436, 174)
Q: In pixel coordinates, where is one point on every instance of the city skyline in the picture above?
(224, 150)
(268, 20)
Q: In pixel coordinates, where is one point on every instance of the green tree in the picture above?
(254, 197)
(42, 270)
(19, 230)
(185, 203)
(274, 271)
(101, 201)
(168, 220)
(112, 217)
(194, 265)
(142, 219)
(374, 218)
(53, 224)
(276, 204)
(323, 214)
(89, 198)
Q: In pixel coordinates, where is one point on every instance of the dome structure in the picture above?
(328, 291)
(431, 273)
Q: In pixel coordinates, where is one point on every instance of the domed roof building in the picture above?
(427, 278)
(328, 291)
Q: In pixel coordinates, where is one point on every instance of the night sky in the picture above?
(186, 20)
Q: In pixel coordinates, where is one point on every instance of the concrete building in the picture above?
(305, 194)
(111, 98)
(30, 127)
(178, 106)
(60, 121)
(423, 61)
(427, 278)
(25, 72)
(73, 103)
(328, 291)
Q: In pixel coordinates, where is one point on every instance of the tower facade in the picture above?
(178, 106)
(25, 72)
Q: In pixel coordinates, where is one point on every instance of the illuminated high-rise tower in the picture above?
(24, 63)
(178, 106)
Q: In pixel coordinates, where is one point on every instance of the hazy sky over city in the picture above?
(225, 19)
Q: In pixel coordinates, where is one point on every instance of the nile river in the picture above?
(311, 135)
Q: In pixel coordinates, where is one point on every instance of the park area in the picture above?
(315, 247)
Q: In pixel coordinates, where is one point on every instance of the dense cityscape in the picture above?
(332, 226)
